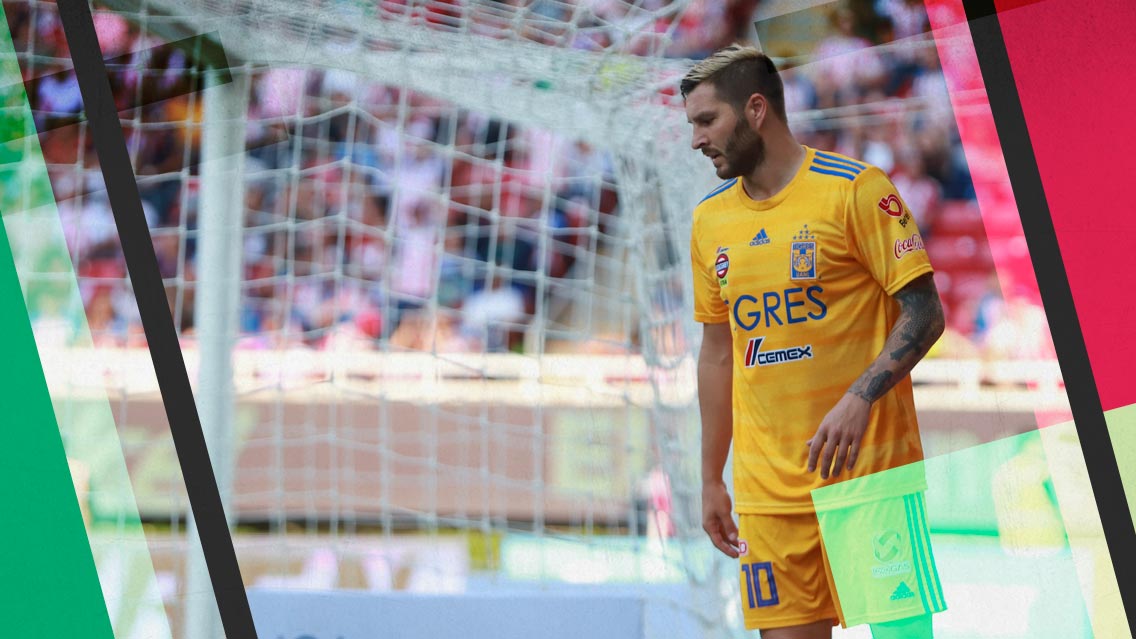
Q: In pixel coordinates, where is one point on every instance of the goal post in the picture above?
(217, 311)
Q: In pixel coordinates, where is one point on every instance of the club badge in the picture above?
(803, 256)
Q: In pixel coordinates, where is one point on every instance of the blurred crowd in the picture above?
(379, 217)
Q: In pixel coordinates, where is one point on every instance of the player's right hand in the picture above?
(718, 518)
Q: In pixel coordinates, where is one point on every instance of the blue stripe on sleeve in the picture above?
(847, 176)
(834, 158)
(836, 165)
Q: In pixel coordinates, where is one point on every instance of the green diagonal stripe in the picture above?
(916, 556)
(51, 297)
(49, 572)
(1122, 430)
(937, 599)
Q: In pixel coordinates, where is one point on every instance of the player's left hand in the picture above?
(839, 435)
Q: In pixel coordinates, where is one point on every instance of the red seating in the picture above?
(959, 218)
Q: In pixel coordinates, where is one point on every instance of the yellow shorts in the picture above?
(785, 578)
(878, 552)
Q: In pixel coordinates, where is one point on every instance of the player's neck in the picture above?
(783, 159)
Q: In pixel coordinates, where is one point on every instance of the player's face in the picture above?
(722, 135)
(745, 151)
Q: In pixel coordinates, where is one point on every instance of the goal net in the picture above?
(427, 263)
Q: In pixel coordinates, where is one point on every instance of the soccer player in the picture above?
(816, 298)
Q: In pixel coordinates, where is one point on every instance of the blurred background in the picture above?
(888, 105)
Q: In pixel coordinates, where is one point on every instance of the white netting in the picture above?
(461, 321)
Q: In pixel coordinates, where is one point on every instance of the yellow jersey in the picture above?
(805, 279)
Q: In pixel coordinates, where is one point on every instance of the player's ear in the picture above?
(757, 108)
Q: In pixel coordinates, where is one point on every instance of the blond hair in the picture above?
(737, 72)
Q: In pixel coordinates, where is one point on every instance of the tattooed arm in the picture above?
(919, 325)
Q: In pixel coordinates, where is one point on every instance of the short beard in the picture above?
(744, 152)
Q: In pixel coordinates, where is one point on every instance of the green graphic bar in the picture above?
(1007, 522)
(79, 416)
(53, 588)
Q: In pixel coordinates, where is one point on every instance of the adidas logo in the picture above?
(902, 592)
(759, 239)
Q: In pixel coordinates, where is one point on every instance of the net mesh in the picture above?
(460, 325)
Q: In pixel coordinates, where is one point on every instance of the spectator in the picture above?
(845, 58)
(491, 313)
(922, 193)
(57, 96)
(415, 268)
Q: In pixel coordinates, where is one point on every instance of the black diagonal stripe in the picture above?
(1056, 295)
(142, 264)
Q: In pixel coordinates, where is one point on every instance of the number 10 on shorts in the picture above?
(754, 592)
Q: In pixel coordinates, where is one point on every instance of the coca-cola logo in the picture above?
(903, 247)
(891, 205)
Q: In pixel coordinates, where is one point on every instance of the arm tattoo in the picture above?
(873, 384)
(920, 323)
(920, 319)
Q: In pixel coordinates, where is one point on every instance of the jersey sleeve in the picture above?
(883, 234)
(708, 305)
